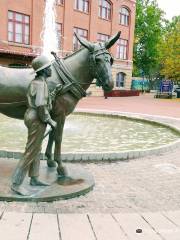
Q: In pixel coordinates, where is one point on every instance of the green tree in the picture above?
(170, 50)
(148, 33)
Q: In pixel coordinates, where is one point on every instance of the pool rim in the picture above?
(110, 156)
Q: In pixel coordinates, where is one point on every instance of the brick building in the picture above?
(96, 20)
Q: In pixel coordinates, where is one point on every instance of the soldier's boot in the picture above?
(36, 182)
(19, 190)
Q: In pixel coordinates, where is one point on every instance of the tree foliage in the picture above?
(170, 50)
(148, 33)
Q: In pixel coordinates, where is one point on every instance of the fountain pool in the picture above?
(94, 134)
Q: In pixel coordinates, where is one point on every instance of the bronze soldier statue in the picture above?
(36, 119)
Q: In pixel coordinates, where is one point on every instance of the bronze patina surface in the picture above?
(78, 182)
(75, 73)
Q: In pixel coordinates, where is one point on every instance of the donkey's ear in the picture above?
(84, 42)
(112, 40)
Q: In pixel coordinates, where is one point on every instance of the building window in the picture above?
(82, 5)
(102, 37)
(18, 27)
(124, 16)
(120, 77)
(59, 2)
(82, 33)
(59, 34)
(105, 9)
(122, 46)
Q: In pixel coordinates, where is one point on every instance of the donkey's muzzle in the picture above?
(107, 87)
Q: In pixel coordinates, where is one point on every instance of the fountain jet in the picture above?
(49, 32)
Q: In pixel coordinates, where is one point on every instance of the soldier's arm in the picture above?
(41, 104)
(45, 117)
(43, 114)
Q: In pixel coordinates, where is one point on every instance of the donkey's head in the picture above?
(101, 60)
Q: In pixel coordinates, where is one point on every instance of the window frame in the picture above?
(119, 82)
(122, 44)
(107, 11)
(59, 35)
(15, 22)
(60, 2)
(100, 37)
(84, 2)
(124, 16)
(76, 43)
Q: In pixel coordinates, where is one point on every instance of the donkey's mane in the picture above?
(74, 53)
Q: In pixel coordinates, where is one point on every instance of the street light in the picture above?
(142, 82)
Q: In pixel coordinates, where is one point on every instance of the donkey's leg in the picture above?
(48, 153)
(57, 151)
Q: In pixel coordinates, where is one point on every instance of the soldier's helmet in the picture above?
(40, 63)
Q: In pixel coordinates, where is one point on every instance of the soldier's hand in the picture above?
(58, 88)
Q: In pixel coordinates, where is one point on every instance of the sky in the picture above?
(170, 7)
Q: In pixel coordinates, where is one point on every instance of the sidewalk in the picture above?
(145, 226)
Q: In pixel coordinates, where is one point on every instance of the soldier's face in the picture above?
(48, 72)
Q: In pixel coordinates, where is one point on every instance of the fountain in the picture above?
(104, 148)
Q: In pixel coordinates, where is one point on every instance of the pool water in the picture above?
(89, 133)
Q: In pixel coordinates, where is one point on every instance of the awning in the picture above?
(27, 54)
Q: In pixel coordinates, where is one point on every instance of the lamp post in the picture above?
(142, 82)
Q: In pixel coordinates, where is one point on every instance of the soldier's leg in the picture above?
(33, 147)
(34, 174)
(28, 156)
(34, 166)
(20, 172)
(19, 175)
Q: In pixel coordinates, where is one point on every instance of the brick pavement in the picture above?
(144, 184)
(145, 103)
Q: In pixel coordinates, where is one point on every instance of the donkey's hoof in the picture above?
(51, 163)
(62, 171)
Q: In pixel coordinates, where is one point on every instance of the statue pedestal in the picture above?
(78, 182)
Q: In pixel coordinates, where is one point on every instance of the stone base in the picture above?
(78, 182)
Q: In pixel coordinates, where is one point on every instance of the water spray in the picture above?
(49, 31)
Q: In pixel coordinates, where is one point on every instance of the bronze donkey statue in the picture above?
(75, 73)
